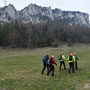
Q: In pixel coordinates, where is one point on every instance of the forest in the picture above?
(16, 34)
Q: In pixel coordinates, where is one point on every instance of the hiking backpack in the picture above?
(44, 58)
(60, 57)
(50, 61)
(70, 57)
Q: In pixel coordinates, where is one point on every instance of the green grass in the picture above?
(20, 69)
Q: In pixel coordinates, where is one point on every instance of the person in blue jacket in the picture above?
(45, 63)
(76, 59)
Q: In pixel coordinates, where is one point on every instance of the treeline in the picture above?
(39, 35)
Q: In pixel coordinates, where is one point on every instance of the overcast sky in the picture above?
(70, 5)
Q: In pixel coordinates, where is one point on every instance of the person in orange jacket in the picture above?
(51, 63)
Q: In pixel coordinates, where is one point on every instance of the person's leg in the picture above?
(53, 70)
(49, 70)
(64, 65)
(76, 65)
(60, 64)
(73, 67)
(44, 67)
(69, 67)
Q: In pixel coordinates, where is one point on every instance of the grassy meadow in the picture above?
(20, 69)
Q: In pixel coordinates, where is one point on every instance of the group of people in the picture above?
(50, 61)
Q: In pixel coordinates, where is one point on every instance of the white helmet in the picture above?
(52, 56)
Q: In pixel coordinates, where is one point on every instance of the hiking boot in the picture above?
(47, 74)
(41, 72)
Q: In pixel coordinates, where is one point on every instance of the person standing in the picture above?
(45, 63)
(62, 61)
(51, 62)
(76, 59)
(71, 60)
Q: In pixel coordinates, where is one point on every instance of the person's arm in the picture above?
(77, 58)
(59, 58)
(68, 58)
(54, 62)
(74, 58)
(63, 57)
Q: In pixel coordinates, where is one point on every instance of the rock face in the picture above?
(8, 14)
(37, 14)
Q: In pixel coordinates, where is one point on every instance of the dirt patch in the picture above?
(87, 85)
(4, 89)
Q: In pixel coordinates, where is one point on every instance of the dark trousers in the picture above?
(51, 69)
(76, 65)
(71, 65)
(62, 62)
(44, 67)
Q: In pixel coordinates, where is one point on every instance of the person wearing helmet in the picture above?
(76, 59)
(71, 60)
(62, 59)
(51, 62)
(45, 64)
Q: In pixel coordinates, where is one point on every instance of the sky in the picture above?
(67, 5)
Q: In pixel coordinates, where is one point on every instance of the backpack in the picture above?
(44, 58)
(50, 61)
(70, 57)
(60, 57)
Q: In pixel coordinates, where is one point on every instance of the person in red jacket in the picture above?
(51, 63)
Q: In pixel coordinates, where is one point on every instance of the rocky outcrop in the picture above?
(37, 14)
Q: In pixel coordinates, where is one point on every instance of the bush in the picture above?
(69, 44)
